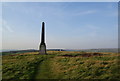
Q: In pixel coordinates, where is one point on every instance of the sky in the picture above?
(68, 25)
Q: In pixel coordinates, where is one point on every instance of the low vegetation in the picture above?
(61, 65)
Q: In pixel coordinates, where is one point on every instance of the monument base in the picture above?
(42, 48)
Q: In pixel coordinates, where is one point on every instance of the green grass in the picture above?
(20, 66)
(43, 70)
(56, 65)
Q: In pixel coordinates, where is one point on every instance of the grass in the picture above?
(43, 70)
(20, 66)
(61, 65)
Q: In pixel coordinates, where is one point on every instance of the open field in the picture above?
(61, 65)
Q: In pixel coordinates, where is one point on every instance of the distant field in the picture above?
(61, 65)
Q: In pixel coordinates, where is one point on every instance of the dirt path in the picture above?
(43, 70)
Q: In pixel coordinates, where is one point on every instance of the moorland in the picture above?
(61, 65)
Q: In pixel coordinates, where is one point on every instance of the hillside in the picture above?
(9, 52)
(61, 65)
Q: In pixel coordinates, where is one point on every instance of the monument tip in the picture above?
(42, 22)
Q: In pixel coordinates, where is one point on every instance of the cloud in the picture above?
(92, 31)
(6, 26)
(0, 25)
(85, 12)
(77, 13)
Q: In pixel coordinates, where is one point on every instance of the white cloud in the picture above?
(85, 12)
(77, 13)
(6, 26)
(93, 30)
(0, 25)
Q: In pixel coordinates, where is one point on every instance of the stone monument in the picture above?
(42, 48)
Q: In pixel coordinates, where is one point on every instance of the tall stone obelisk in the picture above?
(42, 48)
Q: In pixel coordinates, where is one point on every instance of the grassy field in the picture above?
(61, 65)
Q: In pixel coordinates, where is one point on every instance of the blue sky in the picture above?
(70, 25)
